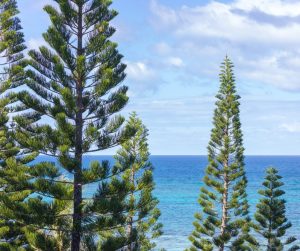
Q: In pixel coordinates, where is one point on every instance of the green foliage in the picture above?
(23, 216)
(224, 221)
(11, 47)
(272, 223)
(140, 213)
(68, 109)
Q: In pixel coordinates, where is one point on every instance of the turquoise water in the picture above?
(178, 179)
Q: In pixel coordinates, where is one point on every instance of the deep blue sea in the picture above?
(178, 179)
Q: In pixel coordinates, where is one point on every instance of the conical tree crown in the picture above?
(70, 108)
(271, 214)
(223, 199)
(140, 213)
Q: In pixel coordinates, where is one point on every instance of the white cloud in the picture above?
(166, 15)
(291, 127)
(278, 70)
(139, 71)
(142, 78)
(265, 52)
(192, 118)
(272, 7)
(175, 61)
(219, 20)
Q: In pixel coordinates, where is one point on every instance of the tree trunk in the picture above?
(224, 210)
(77, 215)
(270, 242)
(130, 247)
(225, 197)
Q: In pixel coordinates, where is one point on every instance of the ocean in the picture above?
(178, 180)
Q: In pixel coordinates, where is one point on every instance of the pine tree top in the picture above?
(224, 220)
(271, 214)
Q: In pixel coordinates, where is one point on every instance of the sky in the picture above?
(173, 50)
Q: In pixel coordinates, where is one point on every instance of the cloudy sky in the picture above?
(173, 49)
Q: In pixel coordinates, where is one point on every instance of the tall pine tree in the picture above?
(141, 214)
(223, 223)
(20, 213)
(74, 87)
(270, 215)
(11, 74)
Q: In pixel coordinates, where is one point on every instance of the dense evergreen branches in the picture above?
(141, 213)
(270, 215)
(11, 74)
(64, 102)
(223, 199)
(68, 108)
